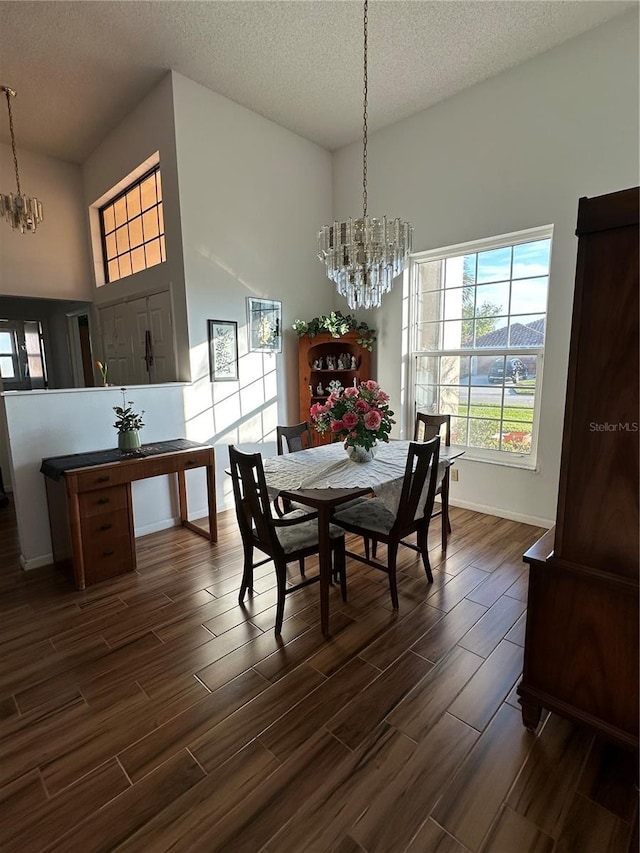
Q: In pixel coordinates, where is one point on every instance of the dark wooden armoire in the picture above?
(581, 647)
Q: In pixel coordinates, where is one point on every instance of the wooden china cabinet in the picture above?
(326, 351)
(581, 645)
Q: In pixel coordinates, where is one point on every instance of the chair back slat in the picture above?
(422, 462)
(296, 437)
(252, 500)
(429, 426)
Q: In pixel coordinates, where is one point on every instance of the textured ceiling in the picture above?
(79, 67)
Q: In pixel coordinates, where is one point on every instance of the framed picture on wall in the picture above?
(223, 350)
(264, 319)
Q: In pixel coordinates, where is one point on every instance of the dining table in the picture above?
(324, 477)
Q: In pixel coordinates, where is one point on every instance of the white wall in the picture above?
(252, 198)
(53, 262)
(514, 152)
(148, 129)
(55, 423)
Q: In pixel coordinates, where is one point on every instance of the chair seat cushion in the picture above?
(303, 535)
(371, 515)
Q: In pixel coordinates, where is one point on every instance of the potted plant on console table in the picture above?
(128, 423)
(333, 351)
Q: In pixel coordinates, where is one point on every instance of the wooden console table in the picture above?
(91, 508)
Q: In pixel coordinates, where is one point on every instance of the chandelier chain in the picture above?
(7, 92)
(365, 91)
(363, 256)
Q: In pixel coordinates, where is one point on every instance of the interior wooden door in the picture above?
(116, 344)
(160, 326)
(138, 325)
(151, 331)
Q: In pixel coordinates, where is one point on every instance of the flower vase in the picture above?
(129, 440)
(360, 454)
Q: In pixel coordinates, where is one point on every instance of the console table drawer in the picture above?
(106, 557)
(105, 526)
(114, 475)
(139, 469)
(156, 465)
(103, 500)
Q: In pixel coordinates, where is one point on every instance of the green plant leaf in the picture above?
(337, 324)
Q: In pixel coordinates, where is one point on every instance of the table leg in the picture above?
(211, 500)
(182, 496)
(75, 525)
(444, 506)
(212, 533)
(324, 558)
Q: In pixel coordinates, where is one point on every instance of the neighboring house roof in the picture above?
(529, 335)
(538, 325)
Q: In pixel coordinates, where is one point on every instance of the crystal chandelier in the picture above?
(363, 256)
(22, 212)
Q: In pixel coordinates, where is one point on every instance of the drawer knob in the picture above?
(191, 461)
(106, 527)
(103, 500)
(104, 479)
(108, 553)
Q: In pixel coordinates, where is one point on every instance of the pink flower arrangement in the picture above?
(358, 415)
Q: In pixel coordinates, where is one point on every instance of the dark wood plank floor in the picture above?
(151, 712)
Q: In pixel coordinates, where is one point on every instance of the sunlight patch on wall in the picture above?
(243, 412)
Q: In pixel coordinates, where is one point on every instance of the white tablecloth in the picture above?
(329, 467)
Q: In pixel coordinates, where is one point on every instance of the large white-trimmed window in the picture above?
(132, 228)
(478, 320)
(9, 363)
(22, 357)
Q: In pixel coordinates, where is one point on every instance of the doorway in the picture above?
(80, 350)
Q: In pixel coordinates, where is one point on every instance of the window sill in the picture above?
(520, 463)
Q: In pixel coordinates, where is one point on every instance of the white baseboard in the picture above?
(36, 562)
(503, 513)
(166, 523)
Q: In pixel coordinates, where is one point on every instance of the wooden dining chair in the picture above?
(284, 540)
(296, 437)
(375, 521)
(426, 428)
(292, 439)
